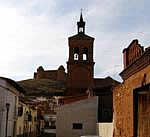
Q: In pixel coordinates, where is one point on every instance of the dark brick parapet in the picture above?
(136, 66)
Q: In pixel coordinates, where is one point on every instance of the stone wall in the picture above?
(46, 75)
(59, 74)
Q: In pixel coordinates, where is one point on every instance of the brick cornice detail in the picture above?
(136, 66)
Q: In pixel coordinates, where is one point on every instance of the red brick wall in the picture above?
(80, 73)
(132, 53)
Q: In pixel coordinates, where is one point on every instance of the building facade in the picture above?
(9, 95)
(77, 118)
(80, 65)
(135, 75)
(27, 120)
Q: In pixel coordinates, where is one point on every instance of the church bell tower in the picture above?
(80, 65)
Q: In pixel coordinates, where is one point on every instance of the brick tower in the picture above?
(80, 65)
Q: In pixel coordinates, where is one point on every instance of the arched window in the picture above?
(76, 56)
(76, 53)
(85, 53)
(80, 29)
(84, 57)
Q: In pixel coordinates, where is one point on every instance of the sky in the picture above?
(35, 33)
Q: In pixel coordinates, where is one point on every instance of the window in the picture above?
(80, 29)
(85, 54)
(76, 53)
(30, 116)
(20, 111)
(77, 126)
(76, 56)
(84, 57)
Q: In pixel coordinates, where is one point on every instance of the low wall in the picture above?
(105, 129)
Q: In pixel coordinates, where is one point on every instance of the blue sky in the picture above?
(35, 33)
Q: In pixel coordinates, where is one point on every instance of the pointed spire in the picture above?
(81, 25)
(81, 18)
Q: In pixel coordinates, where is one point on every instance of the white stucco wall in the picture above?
(84, 111)
(105, 129)
(7, 96)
